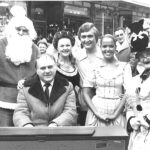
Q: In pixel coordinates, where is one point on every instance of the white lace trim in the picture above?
(68, 73)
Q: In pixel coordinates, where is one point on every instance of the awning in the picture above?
(145, 3)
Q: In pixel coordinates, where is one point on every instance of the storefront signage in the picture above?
(82, 11)
(125, 12)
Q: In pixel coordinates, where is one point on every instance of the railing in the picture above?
(63, 138)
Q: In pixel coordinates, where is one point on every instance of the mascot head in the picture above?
(139, 36)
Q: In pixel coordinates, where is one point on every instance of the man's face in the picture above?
(88, 39)
(46, 69)
(120, 36)
(20, 43)
(22, 31)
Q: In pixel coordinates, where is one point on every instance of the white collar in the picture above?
(122, 46)
(43, 83)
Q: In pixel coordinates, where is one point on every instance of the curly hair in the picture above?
(63, 34)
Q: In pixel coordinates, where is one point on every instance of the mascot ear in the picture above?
(141, 22)
(139, 37)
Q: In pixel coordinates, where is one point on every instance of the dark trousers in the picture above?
(81, 117)
(6, 117)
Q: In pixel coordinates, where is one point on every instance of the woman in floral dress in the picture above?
(110, 78)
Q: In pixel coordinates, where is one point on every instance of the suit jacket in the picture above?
(35, 109)
(123, 51)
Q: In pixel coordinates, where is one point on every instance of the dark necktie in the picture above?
(47, 90)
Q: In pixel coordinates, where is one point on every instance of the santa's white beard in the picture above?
(19, 49)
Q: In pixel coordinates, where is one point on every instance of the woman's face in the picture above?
(108, 48)
(64, 47)
(143, 62)
(144, 58)
(42, 48)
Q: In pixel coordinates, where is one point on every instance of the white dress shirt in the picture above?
(49, 88)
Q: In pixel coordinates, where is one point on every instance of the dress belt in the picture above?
(6, 84)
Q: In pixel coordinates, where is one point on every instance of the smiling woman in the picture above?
(63, 42)
(108, 47)
(110, 78)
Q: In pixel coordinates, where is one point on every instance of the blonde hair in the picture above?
(87, 27)
(108, 36)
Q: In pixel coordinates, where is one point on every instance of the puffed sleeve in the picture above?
(90, 79)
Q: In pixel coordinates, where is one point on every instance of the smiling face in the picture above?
(22, 31)
(46, 68)
(120, 36)
(64, 47)
(88, 39)
(42, 48)
(108, 48)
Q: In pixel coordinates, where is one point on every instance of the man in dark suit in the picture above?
(56, 107)
(122, 45)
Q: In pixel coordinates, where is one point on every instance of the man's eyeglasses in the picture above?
(24, 31)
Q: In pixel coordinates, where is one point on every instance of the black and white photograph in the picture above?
(74, 75)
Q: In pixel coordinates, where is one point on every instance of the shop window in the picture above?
(68, 2)
(78, 3)
(77, 11)
(86, 4)
(38, 13)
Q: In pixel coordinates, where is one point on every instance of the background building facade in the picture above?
(50, 16)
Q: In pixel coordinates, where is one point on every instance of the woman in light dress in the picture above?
(110, 78)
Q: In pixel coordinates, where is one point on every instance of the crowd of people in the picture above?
(76, 83)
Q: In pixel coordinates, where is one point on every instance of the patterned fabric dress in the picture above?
(108, 83)
(139, 139)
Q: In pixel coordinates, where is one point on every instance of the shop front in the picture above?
(46, 16)
(105, 19)
(75, 16)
